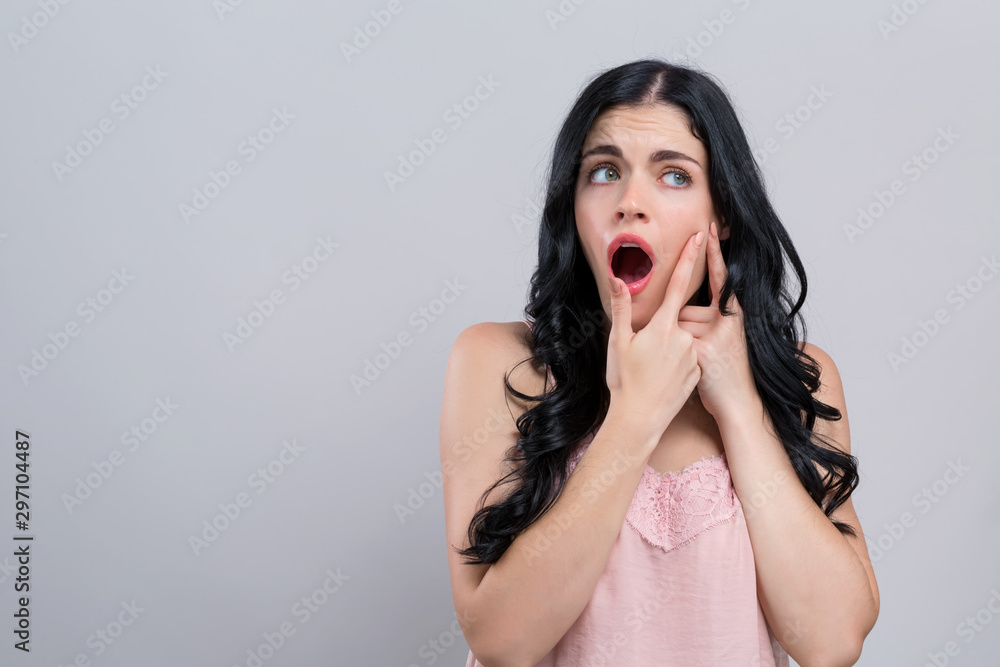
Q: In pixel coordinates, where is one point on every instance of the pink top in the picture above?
(679, 587)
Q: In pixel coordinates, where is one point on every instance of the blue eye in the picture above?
(681, 174)
(603, 167)
(675, 176)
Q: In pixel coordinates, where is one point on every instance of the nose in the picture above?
(631, 205)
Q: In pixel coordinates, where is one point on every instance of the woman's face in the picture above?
(643, 173)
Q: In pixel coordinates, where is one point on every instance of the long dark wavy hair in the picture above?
(569, 323)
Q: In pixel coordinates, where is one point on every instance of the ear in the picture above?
(723, 229)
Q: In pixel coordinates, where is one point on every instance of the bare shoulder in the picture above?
(829, 372)
(831, 392)
(836, 433)
(496, 349)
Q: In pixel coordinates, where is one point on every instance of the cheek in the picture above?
(687, 213)
(681, 224)
(590, 241)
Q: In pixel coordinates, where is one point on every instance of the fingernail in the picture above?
(714, 230)
(697, 239)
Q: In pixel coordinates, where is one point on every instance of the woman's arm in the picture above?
(816, 585)
(514, 611)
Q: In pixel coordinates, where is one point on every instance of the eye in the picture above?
(674, 176)
(608, 168)
(677, 174)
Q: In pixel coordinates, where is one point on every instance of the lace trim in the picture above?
(670, 509)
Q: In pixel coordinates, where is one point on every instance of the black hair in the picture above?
(568, 317)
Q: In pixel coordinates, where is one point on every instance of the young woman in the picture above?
(668, 481)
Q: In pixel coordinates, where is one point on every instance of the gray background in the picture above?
(465, 215)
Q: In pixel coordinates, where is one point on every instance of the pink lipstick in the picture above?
(631, 258)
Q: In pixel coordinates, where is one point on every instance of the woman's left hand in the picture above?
(726, 384)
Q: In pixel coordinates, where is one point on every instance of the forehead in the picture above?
(645, 129)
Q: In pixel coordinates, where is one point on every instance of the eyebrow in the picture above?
(656, 156)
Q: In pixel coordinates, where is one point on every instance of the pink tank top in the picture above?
(679, 587)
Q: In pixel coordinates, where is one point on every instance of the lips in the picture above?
(634, 265)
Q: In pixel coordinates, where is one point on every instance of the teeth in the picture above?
(629, 245)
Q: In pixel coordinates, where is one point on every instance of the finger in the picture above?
(696, 329)
(717, 271)
(695, 314)
(676, 294)
(621, 312)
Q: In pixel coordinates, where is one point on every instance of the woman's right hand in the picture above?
(652, 372)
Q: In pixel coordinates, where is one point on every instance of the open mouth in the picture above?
(631, 260)
(631, 263)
